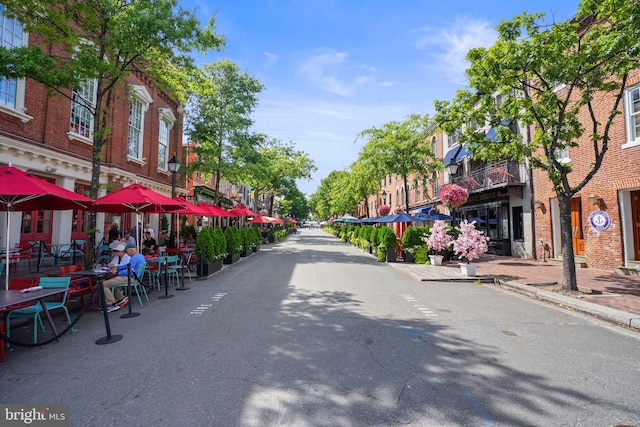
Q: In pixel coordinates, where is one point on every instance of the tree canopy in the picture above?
(398, 148)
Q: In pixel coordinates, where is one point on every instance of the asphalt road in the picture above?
(312, 332)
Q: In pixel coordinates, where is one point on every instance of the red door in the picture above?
(79, 224)
(36, 225)
(577, 235)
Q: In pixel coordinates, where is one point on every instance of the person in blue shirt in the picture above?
(115, 299)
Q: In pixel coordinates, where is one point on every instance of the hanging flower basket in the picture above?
(384, 210)
(453, 195)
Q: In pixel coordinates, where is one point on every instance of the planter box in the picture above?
(206, 270)
(391, 254)
(256, 248)
(231, 259)
(246, 253)
(436, 259)
(468, 269)
(409, 258)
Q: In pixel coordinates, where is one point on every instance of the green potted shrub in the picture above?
(208, 247)
(256, 237)
(411, 241)
(387, 245)
(247, 245)
(234, 244)
(373, 239)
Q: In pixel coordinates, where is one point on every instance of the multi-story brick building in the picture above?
(499, 195)
(51, 137)
(605, 215)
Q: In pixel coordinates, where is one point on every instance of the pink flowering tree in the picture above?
(384, 210)
(470, 243)
(438, 238)
(453, 195)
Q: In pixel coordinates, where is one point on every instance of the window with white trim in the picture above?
(562, 154)
(632, 115)
(434, 146)
(12, 90)
(167, 120)
(83, 103)
(139, 104)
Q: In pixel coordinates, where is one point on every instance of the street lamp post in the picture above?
(174, 167)
(452, 169)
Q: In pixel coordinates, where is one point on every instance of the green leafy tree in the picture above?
(218, 118)
(552, 79)
(106, 40)
(399, 148)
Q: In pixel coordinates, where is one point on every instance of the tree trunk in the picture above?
(569, 280)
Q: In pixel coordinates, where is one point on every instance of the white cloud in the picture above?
(271, 58)
(449, 46)
(331, 71)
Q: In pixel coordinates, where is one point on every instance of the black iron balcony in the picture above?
(496, 175)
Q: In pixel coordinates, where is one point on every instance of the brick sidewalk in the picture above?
(610, 289)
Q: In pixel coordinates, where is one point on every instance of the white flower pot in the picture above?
(436, 259)
(468, 269)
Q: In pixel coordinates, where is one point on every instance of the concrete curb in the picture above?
(609, 314)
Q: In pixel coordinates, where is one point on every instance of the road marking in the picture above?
(427, 312)
(485, 418)
(203, 307)
(413, 334)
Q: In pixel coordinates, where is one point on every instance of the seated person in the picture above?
(189, 240)
(128, 239)
(148, 244)
(121, 257)
(116, 300)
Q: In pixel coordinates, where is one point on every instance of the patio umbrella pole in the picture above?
(166, 283)
(6, 266)
(130, 313)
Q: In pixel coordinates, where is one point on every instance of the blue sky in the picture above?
(333, 68)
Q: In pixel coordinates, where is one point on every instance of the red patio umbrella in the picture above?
(136, 198)
(190, 208)
(260, 219)
(241, 210)
(22, 191)
(214, 210)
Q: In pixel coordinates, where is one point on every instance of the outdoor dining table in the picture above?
(13, 297)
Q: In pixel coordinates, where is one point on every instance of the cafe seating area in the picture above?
(25, 321)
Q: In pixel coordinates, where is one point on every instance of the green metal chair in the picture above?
(136, 284)
(103, 254)
(172, 269)
(33, 311)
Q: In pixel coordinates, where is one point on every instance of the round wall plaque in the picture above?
(599, 220)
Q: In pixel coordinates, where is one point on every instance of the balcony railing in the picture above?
(500, 174)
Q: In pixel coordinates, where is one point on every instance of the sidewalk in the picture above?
(604, 294)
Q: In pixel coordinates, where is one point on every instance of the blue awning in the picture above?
(492, 134)
(459, 151)
(424, 210)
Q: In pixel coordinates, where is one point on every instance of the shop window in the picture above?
(518, 223)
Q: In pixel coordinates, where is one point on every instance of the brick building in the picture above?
(51, 137)
(605, 215)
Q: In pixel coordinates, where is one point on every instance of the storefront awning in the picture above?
(456, 154)
(423, 209)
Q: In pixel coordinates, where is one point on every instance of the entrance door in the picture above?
(635, 218)
(577, 235)
(36, 225)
